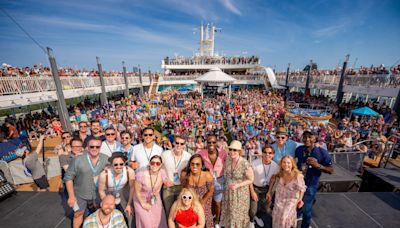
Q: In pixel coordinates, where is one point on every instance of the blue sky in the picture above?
(145, 31)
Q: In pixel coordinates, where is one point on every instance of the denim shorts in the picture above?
(219, 189)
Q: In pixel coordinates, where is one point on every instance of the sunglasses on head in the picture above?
(145, 135)
(92, 147)
(118, 164)
(186, 197)
(110, 134)
(178, 143)
(155, 163)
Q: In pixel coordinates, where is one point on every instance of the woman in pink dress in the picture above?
(290, 188)
(149, 211)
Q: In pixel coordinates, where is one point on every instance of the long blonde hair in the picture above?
(294, 172)
(195, 200)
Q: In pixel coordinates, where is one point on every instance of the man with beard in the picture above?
(81, 180)
(96, 133)
(312, 161)
(106, 215)
(214, 160)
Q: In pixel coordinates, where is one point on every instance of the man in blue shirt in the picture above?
(312, 161)
(283, 145)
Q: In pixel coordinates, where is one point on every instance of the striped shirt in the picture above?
(117, 220)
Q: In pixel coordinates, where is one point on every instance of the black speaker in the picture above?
(5, 187)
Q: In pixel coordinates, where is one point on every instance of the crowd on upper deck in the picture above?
(201, 60)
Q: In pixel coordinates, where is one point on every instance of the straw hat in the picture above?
(281, 131)
(236, 145)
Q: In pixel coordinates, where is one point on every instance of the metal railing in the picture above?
(23, 85)
(194, 76)
(369, 80)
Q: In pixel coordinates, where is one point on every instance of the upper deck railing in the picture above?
(368, 81)
(22, 85)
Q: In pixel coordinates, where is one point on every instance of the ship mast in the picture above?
(207, 34)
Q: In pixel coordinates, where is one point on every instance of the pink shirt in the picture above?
(218, 168)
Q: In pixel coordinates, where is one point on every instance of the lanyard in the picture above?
(94, 170)
(129, 152)
(265, 172)
(148, 157)
(151, 182)
(112, 151)
(116, 186)
(177, 165)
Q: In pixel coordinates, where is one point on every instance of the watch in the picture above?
(320, 167)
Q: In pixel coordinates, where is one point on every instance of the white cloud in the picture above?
(231, 7)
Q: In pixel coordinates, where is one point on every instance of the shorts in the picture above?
(219, 189)
(83, 204)
(42, 182)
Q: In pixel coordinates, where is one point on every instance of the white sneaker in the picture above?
(259, 221)
(251, 225)
(217, 226)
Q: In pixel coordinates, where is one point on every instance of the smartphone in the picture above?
(76, 207)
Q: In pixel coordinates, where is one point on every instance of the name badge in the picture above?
(215, 174)
(153, 200)
(176, 178)
(117, 198)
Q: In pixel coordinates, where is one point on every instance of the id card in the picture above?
(153, 200)
(215, 174)
(176, 178)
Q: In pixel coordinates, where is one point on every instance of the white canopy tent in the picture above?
(215, 75)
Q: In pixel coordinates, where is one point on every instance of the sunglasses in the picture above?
(186, 197)
(66, 137)
(236, 150)
(82, 126)
(145, 135)
(110, 134)
(195, 164)
(268, 152)
(92, 147)
(212, 142)
(126, 138)
(155, 163)
(281, 137)
(118, 164)
(178, 143)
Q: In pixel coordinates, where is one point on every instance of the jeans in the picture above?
(308, 199)
(170, 194)
(256, 207)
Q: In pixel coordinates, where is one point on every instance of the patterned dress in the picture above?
(236, 203)
(286, 198)
(201, 191)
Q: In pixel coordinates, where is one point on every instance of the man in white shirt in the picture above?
(174, 161)
(110, 145)
(263, 169)
(144, 151)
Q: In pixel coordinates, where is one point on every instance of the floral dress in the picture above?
(286, 198)
(201, 191)
(236, 203)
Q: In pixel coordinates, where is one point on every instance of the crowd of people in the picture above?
(201, 60)
(144, 162)
(40, 70)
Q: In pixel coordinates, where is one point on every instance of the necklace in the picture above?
(102, 223)
(198, 180)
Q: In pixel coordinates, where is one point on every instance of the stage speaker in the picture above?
(5, 187)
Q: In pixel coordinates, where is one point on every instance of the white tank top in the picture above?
(116, 185)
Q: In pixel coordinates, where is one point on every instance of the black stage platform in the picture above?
(377, 209)
(381, 180)
(341, 180)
